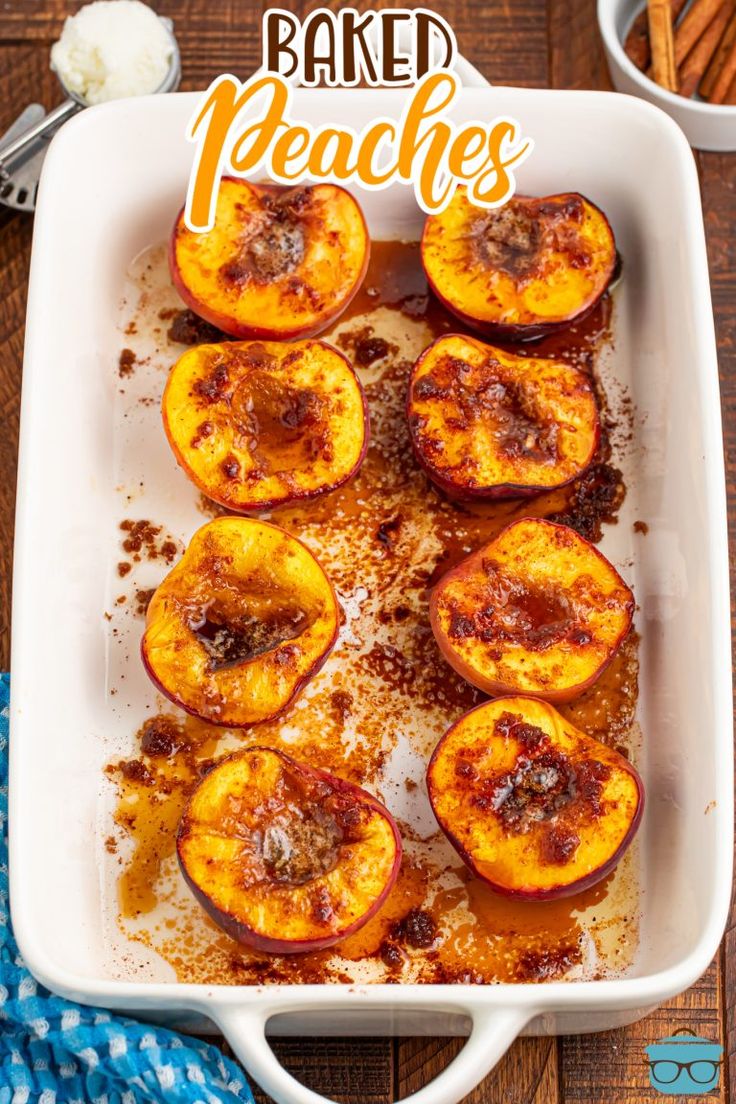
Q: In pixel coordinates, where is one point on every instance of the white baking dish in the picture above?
(112, 182)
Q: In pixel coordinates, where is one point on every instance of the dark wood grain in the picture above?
(530, 42)
(610, 1067)
(345, 1070)
(527, 1074)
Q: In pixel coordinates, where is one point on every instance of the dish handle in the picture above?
(492, 1033)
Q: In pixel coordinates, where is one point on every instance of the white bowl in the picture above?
(706, 126)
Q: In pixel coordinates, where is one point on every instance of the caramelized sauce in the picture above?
(381, 703)
(229, 641)
(487, 395)
(280, 424)
(512, 611)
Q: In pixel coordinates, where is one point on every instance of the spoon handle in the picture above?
(44, 128)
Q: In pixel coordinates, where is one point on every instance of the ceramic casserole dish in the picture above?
(113, 182)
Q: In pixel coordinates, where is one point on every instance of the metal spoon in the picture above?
(23, 146)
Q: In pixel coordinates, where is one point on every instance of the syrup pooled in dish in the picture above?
(375, 712)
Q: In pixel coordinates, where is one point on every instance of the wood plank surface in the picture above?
(529, 42)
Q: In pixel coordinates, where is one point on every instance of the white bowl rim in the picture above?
(613, 43)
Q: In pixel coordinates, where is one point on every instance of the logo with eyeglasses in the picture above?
(684, 1064)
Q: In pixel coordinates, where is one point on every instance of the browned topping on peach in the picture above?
(521, 270)
(544, 811)
(241, 623)
(285, 857)
(516, 613)
(537, 611)
(487, 423)
(542, 783)
(259, 424)
(278, 245)
(279, 262)
(508, 239)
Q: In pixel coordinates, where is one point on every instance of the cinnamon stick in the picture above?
(716, 64)
(661, 38)
(694, 22)
(636, 44)
(695, 64)
(730, 97)
(722, 84)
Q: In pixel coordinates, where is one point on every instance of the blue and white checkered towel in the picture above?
(55, 1052)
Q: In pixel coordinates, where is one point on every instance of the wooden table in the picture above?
(512, 42)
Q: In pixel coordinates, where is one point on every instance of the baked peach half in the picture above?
(534, 806)
(258, 424)
(242, 622)
(537, 611)
(279, 262)
(522, 270)
(285, 857)
(486, 423)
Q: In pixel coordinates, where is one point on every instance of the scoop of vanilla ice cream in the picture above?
(111, 49)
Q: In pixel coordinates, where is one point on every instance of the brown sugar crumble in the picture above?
(365, 346)
(187, 328)
(342, 702)
(391, 955)
(144, 539)
(126, 363)
(416, 929)
(548, 963)
(142, 600)
(595, 498)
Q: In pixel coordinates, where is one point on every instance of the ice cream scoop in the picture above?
(94, 60)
